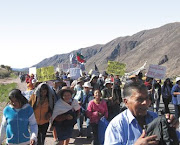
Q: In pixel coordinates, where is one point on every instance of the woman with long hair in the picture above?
(18, 122)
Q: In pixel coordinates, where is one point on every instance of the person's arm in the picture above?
(174, 91)
(3, 129)
(33, 129)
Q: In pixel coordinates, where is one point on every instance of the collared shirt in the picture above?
(124, 128)
(84, 98)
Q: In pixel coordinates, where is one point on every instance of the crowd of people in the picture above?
(63, 102)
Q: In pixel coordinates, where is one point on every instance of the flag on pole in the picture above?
(80, 58)
(72, 59)
(95, 67)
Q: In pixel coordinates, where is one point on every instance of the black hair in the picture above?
(63, 91)
(16, 93)
(44, 87)
(165, 84)
(128, 87)
(97, 90)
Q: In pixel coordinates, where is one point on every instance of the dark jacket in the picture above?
(165, 134)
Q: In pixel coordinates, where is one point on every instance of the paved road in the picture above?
(82, 140)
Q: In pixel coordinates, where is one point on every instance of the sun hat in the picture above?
(177, 79)
(87, 84)
(93, 76)
(108, 81)
(80, 79)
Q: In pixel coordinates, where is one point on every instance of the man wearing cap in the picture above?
(78, 86)
(93, 82)
(113, 101)
(101, 80)
(84, 97)
(175, 92)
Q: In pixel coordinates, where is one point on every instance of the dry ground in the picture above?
(49, 139)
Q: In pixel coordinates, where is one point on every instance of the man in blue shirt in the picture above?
(128, 127)
(175, 92)
(84, 97)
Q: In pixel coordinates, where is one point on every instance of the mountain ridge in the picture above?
(147, 45)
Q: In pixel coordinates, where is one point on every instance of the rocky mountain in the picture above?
(148, 45)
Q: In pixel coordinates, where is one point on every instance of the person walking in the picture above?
(97, 108)
(42, 103)
(18, 122)
(166, 94)
(64, 117)
(84, 97)
(175, 92)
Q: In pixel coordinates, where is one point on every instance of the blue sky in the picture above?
(33, 30)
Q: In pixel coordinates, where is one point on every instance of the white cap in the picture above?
(108, 81)
(88, 85)
(177, 79)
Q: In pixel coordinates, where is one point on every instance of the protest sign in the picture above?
(45, 74)
(65, 67)
(32, 70)
(116, 68)
(74, 73)
(156, 71)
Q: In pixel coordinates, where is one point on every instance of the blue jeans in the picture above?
(80, 123)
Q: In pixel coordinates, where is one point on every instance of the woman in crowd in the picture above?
(65, 115)
(42, 103)
(166, 94)
(97, 108)
(18, 122)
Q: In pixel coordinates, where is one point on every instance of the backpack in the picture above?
(102, 125)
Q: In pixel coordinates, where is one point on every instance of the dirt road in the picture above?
(49, 139)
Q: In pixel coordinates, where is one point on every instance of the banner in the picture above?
(116, 68)
(45, 74)
(136, 72)
(75, 73)
(32, 70)
(156, 71)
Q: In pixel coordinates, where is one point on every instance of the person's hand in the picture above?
(146, 140)
(110, 98)
(172, 120)
(32, 142)
(100, 114)
(69, 117)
